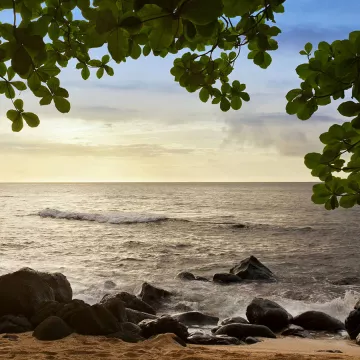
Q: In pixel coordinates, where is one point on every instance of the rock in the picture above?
(53, 328)
(201, 278)
(108, 284)
(252, 269)
(357, 305)
(131, 302)
(352, 324)
(298, 331)
(14, 324)
(185, 275)
(23, 291)
(225, 278)
(196, 318)
(89, 320)
(330, 351)
(268, 313)
(213, 340)
(47, 309)
(242, 331)
(350, 280)
(234, 320)
(129, 333)
(163, 325)
(239, 226)
(153, 295)
(10, 337)
(135, 316)
(358, 339)
(251, 340)
(319, 321)
(215, 329)
(116, 307)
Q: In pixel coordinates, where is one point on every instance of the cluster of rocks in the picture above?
(43, 303)
(250, 269)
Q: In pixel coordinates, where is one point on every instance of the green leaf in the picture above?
(105, 21)
(62, 104)
(109, 70)
(348, 201)
(21, 62)
(19, 104)
(225, 104)
(105, 59)
(31, 119)
(312, 160)
(201, 12)
(163, 35)
(349, 109)
(100, 73)
(19, 85)
(13, 115)
(131, 23)
(204, 95)
(118, 44)
(308, 48)
(46, 100)
(85, 73)
(236, 103)
(18, 124)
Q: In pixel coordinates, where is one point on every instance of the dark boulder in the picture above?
(350, 280)
(318, 321)
(212, 340)
(226, 278)
(268, 313)
(357, 305)
(215, 329)
(196, 318)
(153, 295)
(352, 323)
(89, 320)
(251, 340)
(185, 275)
(234, 320)
(252, 269)
(10, 337)
(116, 307)
(47, 309)
(201, 278)
(135, 316)
(297, 331)
(14, 324)
(23, 291)
(53, 328)
(242, 331)
(128, 332)
(131, 302)
(108, 284)
(163, 325)
(239, 226)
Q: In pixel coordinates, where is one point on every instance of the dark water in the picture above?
(130, 233)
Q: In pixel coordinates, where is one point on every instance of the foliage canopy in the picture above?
(45, 35)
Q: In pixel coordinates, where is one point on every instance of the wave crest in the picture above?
(114, 218)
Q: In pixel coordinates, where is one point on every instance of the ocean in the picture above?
(129, 233)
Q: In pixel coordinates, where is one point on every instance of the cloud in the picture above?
(60, 149)
(279, 133)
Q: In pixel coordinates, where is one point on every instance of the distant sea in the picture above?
(134, 232)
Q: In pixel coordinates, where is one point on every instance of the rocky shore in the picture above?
(42, 304)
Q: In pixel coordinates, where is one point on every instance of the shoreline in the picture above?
(164, 347)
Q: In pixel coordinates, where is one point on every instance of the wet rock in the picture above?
(330, 351)
(131, 302)
(108, 284)
(318, 321)
(116, 307)
(185, 275)
(196, 318)
(239, 226)
(352, 323)
(53, 328)
(213, 340)
(136, 317)
(269, 313)
(358, 340)
(215, 329)
(89, 320)
(23, 291)
(226, 278)
(153, 295)
(129, 333)
(47, 309)
(357, 305)
(234, 320)
(242, 331)
(163, 325)
(252, 269)
(349, 280)
(201, 278)
(251, 340)
(10, 337)
(14, 324)
(298, 331)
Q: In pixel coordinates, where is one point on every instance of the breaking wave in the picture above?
(112, 218)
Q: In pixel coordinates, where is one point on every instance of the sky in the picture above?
(141, 126)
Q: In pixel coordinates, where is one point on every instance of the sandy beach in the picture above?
(164, 347)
